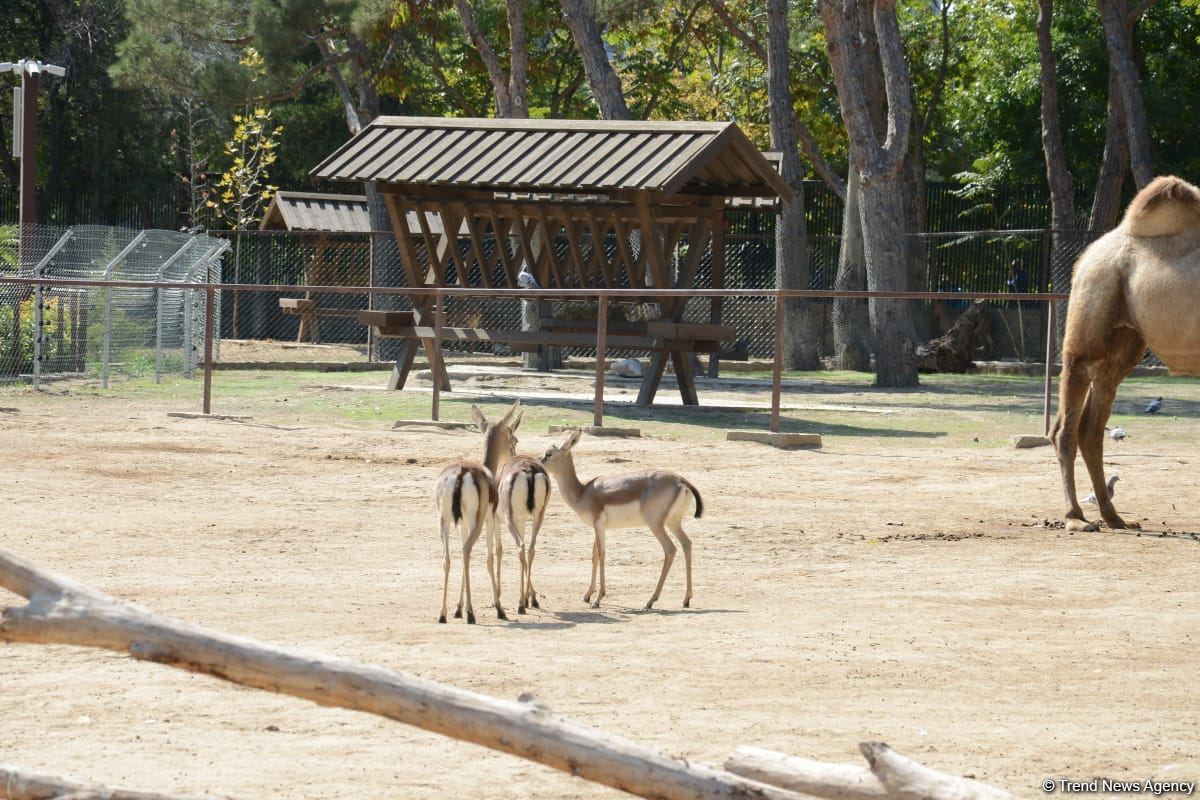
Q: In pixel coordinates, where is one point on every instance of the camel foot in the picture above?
(1115, 522)
(470, 617)
(1082, 525)
(501, 615)
(533, 602)
(442, 619)
(520, 609)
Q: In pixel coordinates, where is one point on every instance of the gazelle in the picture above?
(656, 498)
(523, 489)
(465, 494)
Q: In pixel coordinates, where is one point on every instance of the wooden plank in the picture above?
(625, 257)
(486, 152)
(598, 254)
(652, 245)
(412, 170)
(397, 211)
(515, 172)
(558, 338)
(548, 249)
(386, 318)
(291, 305)
(449, 242)
(512, 151)
(598, 176)
(574, 252)
(689, 330)
(566, 151)
(478, 253)
(500, 231)
(434, 271)
(442, 168)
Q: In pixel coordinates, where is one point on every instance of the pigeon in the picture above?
(526, 280)
(1116, 434)
(1154, 407)
(1112, 482)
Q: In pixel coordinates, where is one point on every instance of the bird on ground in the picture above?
(1116, 434)
(1154, 407)
(526, 280)
(1091, 496)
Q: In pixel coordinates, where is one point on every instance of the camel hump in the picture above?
(1166, 206)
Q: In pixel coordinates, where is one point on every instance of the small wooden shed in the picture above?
(578, 203)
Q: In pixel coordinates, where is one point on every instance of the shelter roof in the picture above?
(329, 213)
(557, 156)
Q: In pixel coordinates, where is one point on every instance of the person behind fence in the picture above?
(1018, 279)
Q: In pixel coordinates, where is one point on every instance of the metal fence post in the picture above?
(777, 375)
(108, 270)
(39, 298)
(186, 344)
(1051, 319)
(601, 338)
(435, 357)
(208, 347)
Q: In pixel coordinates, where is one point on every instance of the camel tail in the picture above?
(1166, 206)
(696, 495)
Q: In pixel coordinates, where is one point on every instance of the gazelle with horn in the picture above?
(465, 494)
(655, 498)
(523, 490)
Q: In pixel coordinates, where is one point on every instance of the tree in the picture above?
(1118, 23)
(606, 86)
(880, 166)
(1058, 176)
(801, 326)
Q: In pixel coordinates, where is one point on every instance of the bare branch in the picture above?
(303, 80)
(895, 76)
(809, 145)
(1138, 11)
(745, 38)
(491, 62)
(349, 108)
(939, 83)
(20, 784)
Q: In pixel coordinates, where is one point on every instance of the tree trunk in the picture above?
(606, 86)
(801, 323)
(1106, 202)
(1062, 191)
(1118, 38)
(882, 212)
(880, 167)
(851, 321)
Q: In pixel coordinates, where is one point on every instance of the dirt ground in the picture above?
(897, 585)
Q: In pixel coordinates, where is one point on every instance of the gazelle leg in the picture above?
(515, 530)
(686, 545)
(468, 545)
(493, 542)
(600, 561)
(668, 557)
(462, 526)
(535, 524)
(592, 586)
(445, 569)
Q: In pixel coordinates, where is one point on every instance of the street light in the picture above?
(25, 140)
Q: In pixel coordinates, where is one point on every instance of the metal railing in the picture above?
(602, 296)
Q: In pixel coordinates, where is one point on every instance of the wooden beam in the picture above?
(548, 249)
(575, 253)
(21, 784)
(652, 245)
(478, 252)
(433, 253)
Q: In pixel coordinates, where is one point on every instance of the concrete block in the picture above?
(784, 441)
(202, 415)
(1024, 441)
(429, 423)
(592, 430)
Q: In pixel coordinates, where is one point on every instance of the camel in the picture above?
(1136, 287)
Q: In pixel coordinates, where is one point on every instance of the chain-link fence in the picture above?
(50, 330)
(984, 261)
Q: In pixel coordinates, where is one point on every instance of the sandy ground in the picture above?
(896, 588)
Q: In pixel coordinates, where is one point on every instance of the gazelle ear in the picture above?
(572, 440)
(508, 415)
(516, 422)
(479, 418)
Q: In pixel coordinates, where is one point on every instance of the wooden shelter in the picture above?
(579, 203)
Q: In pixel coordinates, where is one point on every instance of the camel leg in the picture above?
(1073, 394)
(592, 586)
(1125, 351)
(668, 558)
(686, 545)
(445, 569)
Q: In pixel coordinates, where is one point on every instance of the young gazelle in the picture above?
(465, 494)
(523, 490)
(656, 498)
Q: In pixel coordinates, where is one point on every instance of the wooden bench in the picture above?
(663, 337)
(309, 312)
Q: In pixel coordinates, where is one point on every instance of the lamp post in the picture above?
(25, 142)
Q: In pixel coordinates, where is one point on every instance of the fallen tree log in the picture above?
(20, 784)
(62, 611)
(956, 349)
(887, 776)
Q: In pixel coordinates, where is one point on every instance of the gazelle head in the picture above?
(500, 437)
(557, 457)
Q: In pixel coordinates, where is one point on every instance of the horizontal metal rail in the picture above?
(602, 295)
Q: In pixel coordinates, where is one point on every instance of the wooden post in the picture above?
(601, 337)
(435, 356)
(1051, 325)
(209, 310)
(718, 282)
(777, 375)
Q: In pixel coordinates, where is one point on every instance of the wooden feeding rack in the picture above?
(576, 203)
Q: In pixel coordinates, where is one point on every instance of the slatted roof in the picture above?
(557, 156)
(329, 213)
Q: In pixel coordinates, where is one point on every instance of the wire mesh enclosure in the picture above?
(52, 330)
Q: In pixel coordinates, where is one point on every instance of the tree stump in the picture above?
(956, 349)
